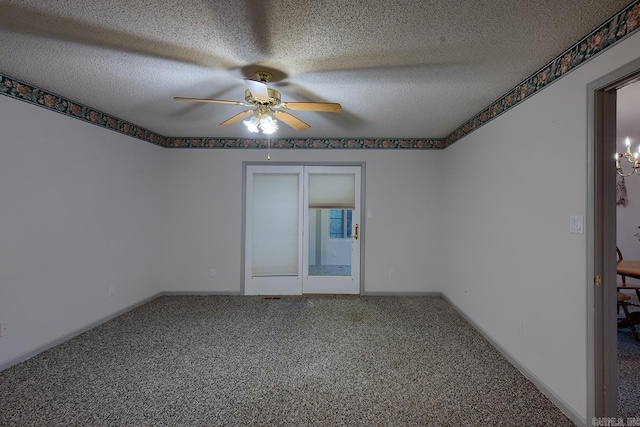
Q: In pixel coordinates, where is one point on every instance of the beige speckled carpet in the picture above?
(295, 361)
(628, 373)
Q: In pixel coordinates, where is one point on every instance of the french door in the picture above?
(302, 230)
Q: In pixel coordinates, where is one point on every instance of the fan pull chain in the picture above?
(269, 149)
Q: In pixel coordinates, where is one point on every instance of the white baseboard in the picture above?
(559, 402)
(178, 293)
(66, 337)
(555, 399)
(37, 350)
(402, 294)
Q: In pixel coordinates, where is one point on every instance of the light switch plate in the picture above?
(576, 224)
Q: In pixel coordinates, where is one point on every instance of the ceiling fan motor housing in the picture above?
(263, 99)
(274, 98)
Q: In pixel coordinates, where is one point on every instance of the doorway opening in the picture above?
(602, 336)
(303, 229)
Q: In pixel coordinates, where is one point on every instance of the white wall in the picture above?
(83, 208)
(80, 211)
(515, 183)
(403, 191)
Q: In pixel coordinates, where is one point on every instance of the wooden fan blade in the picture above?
(214, 101)
(326, 107)
(257, 89)
(235, 119)
(288, 119)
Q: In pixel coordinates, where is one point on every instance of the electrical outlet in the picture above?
(212, 272)
(392, 273)
(4, 329)
(112, 290)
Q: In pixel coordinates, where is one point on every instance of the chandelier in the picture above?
(262, 121)
(631, 158)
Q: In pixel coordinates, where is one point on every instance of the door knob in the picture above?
(355, 234)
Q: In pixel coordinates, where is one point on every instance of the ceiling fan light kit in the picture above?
(264, 123)
(267, 107)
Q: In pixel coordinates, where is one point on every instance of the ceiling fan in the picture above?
(266, 105)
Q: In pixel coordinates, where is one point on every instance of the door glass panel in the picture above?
(275, 224)
(330, 242)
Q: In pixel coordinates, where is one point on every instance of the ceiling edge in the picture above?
(612, 31)
(26, 92)
(23, 91)
(606, 35)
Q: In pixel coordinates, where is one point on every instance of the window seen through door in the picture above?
(339, 223)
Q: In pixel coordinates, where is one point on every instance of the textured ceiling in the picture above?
(400, 69)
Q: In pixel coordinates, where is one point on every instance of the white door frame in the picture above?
(243, 236)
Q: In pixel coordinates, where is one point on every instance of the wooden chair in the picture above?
(623, 284)
(628, 320)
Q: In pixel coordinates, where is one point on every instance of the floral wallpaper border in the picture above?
(28, 93)
(348, 143)
(620, 26)
(612, 31)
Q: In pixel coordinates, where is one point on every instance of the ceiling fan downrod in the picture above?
(263, 76)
